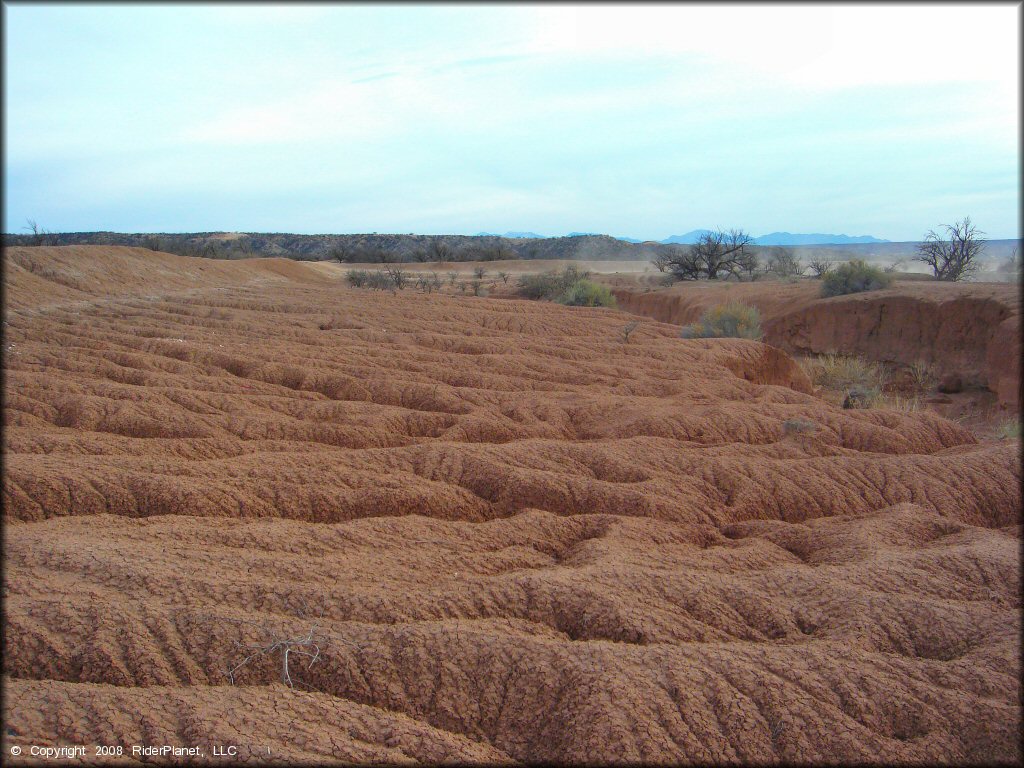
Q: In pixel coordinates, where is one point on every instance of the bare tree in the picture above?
(398, 276)
(715, 255)
(749, 262)
(820, 266)
(439, 250)
(784, 263)
(662, 261)
(39, 235)
(955, 256)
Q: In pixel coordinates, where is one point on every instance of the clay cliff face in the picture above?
(968, 330)
(512, 536)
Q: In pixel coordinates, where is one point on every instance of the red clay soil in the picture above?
(970, 330)
(512, 535)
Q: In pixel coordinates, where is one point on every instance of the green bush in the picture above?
(586, 293)
(729, 320)
(550, 285)
(853, 277)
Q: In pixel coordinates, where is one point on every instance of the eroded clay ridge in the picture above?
(515, 536)
(964, 329)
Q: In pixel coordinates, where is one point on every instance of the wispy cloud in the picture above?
(643, 121)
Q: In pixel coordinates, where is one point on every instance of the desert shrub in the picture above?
(922, 375)
(860, 381)
(379, 281)
(834, 371)
(479, 272)
(399, 277)
(729, 320)
(550, 285)
(798, 427)
(900, 403)
(1009, 430)
(861, 397)
(478, 288)
(627, 329)
(586, 293)
(357, 278)
(854, 277)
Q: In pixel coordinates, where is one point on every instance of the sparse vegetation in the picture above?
(357, 278)
(627, 329)
(820, 267)
(1009, 429)
(954, 257)
(729, 320)
(798, 427)
(479, 272)
(715, 255)
(586, 293)
(854, 277)
(399, 277)
(39, 236)
(897, 402)
(504, 277)
(922, 376)
(859, 381)
(571, 287)
(782, 262)
(550, 285)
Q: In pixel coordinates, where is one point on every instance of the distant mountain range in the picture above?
(518, 235)
(691, 237)
(782, 238)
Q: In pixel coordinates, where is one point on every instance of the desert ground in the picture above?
(247, 505)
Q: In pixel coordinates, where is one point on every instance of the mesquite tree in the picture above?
(955, 256)
(715, 255)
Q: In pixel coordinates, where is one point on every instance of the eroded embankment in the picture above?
(513, 536)
(968, 330)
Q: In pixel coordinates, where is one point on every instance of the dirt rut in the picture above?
(515, 536)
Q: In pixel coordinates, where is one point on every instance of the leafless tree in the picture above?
(715, 255)
(783, 262)
(820, 266)
(662, 261)
(439, 250)
(398, 276)
(749, 262)
(39, 235)
(955, 256)
(479, 272)
(627, 329)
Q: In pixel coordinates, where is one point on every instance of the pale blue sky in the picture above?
(639, 121)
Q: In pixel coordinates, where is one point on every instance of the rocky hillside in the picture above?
(357, 248)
